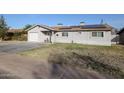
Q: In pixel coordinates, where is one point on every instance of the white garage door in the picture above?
(33, 37)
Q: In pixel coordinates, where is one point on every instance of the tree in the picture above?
(27, 26)
(3, 27)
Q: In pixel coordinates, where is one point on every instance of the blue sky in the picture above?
(20, 20)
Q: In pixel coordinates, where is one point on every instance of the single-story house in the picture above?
(121, 36)
(99, 34)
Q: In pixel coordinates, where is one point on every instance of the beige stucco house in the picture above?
(100, 34)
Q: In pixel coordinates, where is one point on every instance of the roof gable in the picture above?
(44, 27)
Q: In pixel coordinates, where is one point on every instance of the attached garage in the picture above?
(38, 33)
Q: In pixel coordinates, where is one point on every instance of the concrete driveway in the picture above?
(15, 47)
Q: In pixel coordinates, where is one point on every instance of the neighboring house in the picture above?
(114, 36)
(12, 32)
(121, 36)
(100, 34)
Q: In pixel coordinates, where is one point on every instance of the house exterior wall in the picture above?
(41, 37)
(83, 37)
(121, 38)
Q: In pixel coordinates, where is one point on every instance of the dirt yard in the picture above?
(13, 66)
(16, 66)
(59, 61)
(99, 61)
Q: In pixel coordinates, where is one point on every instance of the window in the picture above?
(94, 34)
(97, 34)
(47, 33)
(65, 34)
(100, 34)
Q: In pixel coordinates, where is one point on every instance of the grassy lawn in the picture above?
(106, 60)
